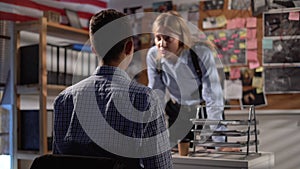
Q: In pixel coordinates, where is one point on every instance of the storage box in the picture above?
(29, 130)
(29, 63)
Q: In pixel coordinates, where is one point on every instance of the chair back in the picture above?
(57, 161)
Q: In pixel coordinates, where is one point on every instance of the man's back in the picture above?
(106, 111)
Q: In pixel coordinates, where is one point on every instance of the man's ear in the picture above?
(128, 47)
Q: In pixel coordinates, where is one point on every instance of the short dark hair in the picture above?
(98, 21)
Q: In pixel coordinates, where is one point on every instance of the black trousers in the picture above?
(179, 123)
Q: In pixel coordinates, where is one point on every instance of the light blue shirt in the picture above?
(182, 82)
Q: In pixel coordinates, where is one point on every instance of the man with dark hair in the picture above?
(107, 114)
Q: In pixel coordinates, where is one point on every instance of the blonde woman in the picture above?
(172, 70)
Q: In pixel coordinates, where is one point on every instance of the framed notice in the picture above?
(282, 79)
(213, 4)
(282, 51)
(253, 87)
(239, 4)
(246, 85)
(282, 23)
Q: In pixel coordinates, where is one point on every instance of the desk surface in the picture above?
(263, 160)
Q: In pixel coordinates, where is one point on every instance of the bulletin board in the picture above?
(269, 101)
(274, 100)
(231, 45)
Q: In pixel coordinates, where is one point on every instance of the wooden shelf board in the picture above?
(35, 89)
(32, 26)
(27, 155)
(55, 30)
(67, 32)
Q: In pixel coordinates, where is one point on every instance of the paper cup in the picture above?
(183, 147)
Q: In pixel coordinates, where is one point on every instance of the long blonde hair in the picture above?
(172, 21)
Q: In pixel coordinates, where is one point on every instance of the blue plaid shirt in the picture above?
(76, 133)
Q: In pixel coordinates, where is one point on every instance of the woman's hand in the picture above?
(229, 149)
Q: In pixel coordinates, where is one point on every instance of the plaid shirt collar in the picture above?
(106, 70)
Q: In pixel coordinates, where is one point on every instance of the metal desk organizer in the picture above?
(249, 133)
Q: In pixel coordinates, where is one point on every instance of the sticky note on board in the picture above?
(233, 36)
(242, 45)
(260, 69)
(222, 34)
(225, 49)
(294, 16)
(236, 51)
(251, 33)
(257, 82)
(233, 58)
(259, 90)
(267, 44)
(254, 64)
(230, 46)
(252, 55)
(240, 22)
(243, 34)
(226, 69)
(231, 24)
(230, 42)
(235, 73)
(223, 38)
(252, 44)
(251, 22)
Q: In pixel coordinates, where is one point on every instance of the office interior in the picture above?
(259, 65)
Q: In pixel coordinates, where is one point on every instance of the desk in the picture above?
(263, 160)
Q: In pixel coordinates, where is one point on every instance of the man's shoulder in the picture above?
(144, 93)
(139, 88)
(69, 91)
(64, 95)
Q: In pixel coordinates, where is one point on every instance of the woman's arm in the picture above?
(154, 78)
(211, 88)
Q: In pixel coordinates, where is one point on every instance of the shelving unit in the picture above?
(246, 128)
(43, 29)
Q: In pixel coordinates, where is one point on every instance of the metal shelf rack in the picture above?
(246, 135)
